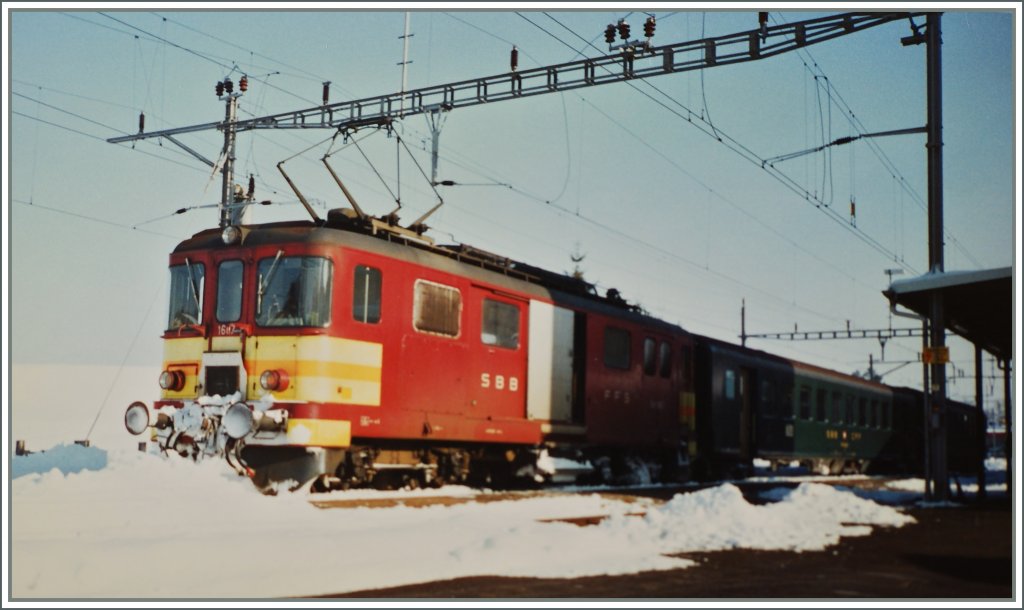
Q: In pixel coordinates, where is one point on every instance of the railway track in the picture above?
(751, 489)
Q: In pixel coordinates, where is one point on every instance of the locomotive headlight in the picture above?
(274, 380)
(238, 420)
(136, 418)
(172, 380)
(230, 235)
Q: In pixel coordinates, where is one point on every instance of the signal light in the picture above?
(228, 85)
(220, 88)
(274, 380)
(649, 27)
(243, 83)
(609, 34)
(172, 381)
(623, 29)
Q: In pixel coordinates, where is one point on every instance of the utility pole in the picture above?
(936, 262)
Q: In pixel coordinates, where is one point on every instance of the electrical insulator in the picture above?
(609, 34)
(142, 122)
(649, 27)
(220, 89)
(514, 60)
(623, 29)
(228, 85)
(243, 83)
(252, 187)
(762, 19)
(327, 91)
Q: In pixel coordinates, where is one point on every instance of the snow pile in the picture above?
(808, 518)
(144, 526)
(65, 458)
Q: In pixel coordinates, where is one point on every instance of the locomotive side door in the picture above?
(498, 377)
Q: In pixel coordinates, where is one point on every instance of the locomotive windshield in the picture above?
(294, 291)
(187, 282)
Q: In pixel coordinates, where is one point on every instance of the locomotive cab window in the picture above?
(500, 324)
(650, 356)
(616, 348)
(436, 309)
(229, 291)
(366, 294)
(186, 302)
(293, 291)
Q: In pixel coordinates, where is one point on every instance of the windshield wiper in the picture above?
(264, 282)
(195, 290)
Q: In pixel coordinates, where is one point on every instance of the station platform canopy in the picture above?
(978, 305)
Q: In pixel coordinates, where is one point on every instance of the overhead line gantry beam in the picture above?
(635, 62)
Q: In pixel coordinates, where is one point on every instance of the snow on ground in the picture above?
(87, 523)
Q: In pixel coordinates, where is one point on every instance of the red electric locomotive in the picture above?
(351, 352)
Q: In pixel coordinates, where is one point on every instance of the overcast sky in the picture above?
(632, 175)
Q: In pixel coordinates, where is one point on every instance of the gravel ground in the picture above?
(963, 553)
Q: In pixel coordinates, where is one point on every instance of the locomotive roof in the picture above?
(456, 259)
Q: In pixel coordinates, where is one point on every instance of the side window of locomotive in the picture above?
(229, 291)
(366, 294)
(437, 309)
(837, 408)
(686, 364)
(805, 402)
(616, 348)
(186, 302)
(886, 415)
(820, 404)
(294, 291)
(500, 324)
(665, 360)
(730, 384)
(650, 356)
(862, 412)
(872, 409)
(849, 410)
(876, 407)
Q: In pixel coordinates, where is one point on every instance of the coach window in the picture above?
(850, 406)
(366, 291)
(650, 356)
(437, 309)
(665, 360)
(730, 384)
(293, 291)
(877, 408)
(872, 408)
(768, 398)
(805, 402)
(186, 303)
(862, 412)
(886, 415)
(500, 324)
(820, 404)
(616, 348)
(837, 408)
